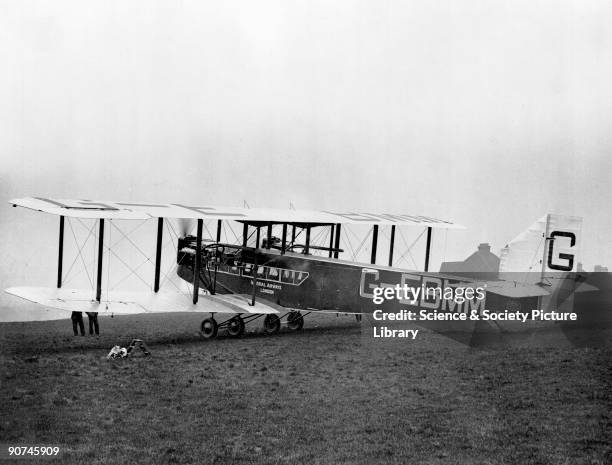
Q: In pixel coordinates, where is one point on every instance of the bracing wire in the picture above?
(76, 257)
(409, 247)
(348, 240)
(80, 254)
(370, 231)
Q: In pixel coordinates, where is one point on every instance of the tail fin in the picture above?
(549, 245)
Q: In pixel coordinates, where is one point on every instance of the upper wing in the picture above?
(135, 211)
(121, 303)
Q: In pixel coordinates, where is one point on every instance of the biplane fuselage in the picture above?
(310, 282)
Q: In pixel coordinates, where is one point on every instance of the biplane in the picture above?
(271, 270)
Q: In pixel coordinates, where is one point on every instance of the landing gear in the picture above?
(295, 321)
(358, 316)
(272, 324)
(235, 326)
(209, 328)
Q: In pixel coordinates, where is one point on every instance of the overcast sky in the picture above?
(489, 113)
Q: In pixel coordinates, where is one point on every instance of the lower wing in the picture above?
(128, 303)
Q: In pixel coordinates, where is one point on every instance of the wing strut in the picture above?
(60, 258)
(391, 243)
(198, 262)
(307, 244)
(374, 244)
(428, 248)
(219, 225)
(100, 257)
(337, 245)
(331, 240)
(254, 280)
(269, 236)
(158, 251)
(213, 286)
(284, 240)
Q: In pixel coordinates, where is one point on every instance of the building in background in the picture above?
(482, 264)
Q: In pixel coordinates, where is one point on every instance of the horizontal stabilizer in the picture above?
(516, 290)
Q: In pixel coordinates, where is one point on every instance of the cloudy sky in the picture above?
(490, 113)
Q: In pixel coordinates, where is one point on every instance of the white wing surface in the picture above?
(127, 303)
(141, 211)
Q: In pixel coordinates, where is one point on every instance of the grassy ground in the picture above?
(319, 396)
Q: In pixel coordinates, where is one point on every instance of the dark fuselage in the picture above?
(308, 282)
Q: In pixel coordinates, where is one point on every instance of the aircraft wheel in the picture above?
(295, 321)
(358, 316)
(235, 327)
(272, 324)
(209, 328)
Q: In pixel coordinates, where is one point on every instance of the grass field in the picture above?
(319, 396)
